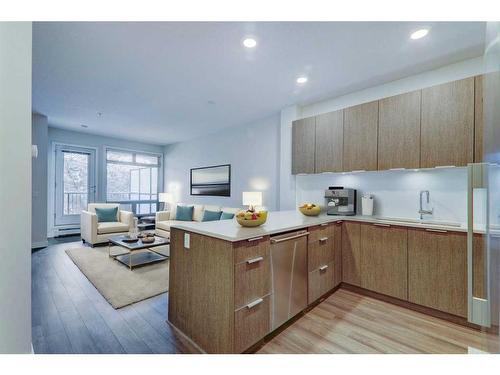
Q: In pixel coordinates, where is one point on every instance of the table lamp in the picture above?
(165, 198)
(252, 199)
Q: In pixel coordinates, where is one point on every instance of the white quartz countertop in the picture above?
(284, 221)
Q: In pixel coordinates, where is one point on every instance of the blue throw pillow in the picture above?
(184, 213)
(226, 216)
(211, 215)
(106, 215)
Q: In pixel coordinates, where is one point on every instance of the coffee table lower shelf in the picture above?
(133, 260)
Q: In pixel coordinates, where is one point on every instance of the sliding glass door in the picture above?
(74, 183)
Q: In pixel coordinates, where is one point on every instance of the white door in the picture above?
(75, 183)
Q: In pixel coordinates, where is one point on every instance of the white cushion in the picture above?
(112, 227)
(198, 212)
(165, 225)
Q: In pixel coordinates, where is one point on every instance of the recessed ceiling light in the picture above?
(419, 34)
(301, 80)
(249, 42)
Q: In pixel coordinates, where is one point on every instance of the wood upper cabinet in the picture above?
(360, 137)
(447, 128)
(329, 142)
(303, 145)
(399, 131)
(384, 260)
(437, 270)
(351, 253)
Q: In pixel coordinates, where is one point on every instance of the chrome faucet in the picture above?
(421, 211)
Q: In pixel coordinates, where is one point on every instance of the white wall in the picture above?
(39, 135)
(100, 143)
(15, 187)
(252, 152)
(367, 180)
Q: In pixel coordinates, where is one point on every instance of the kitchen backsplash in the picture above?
(397, 192)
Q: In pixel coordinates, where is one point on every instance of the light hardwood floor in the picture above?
(70, 316)
(347, 322)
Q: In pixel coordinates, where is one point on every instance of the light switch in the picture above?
(186, 240)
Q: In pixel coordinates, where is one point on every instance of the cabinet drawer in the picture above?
(251, 323)
(252, 280)
(320, 253)
(251, 248)
(321, 281)
(320, 232)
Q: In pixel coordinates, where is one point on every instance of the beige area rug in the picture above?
(116, 282)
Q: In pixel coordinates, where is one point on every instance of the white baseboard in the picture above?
(36, 245)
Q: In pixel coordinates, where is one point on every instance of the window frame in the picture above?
(134, 203)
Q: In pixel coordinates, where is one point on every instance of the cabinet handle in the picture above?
(436, 230)
(323, 239)
(254, 303)
(323, 268)
(381, 225)
(255, 239)
(255, 260)
(274, 240)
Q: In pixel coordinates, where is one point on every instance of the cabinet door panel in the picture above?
(360, 137)
(447, 130)
(337, 253)
(437, 270)
(303, 145)
(478, 120)
(329, 142)
(351, 253)
(399, 131)
(251, 324)
(321, 281)
(384, 260)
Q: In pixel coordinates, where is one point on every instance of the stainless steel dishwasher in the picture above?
(288, 275)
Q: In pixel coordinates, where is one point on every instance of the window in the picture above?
(132, 180)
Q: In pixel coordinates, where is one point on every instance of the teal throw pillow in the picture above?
(184, 213)
(226, 216)
(211, 215)
(106, 215)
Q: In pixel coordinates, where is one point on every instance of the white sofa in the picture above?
(96, 233)
(166, 218)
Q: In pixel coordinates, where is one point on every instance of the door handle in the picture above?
(323, 239)
(323, 268)
(381, 225)
(254, 260)
(254, 303)
(255, 239)
(436, 230)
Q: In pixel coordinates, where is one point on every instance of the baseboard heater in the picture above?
(61, 232)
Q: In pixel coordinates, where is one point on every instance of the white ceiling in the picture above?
(167, 82)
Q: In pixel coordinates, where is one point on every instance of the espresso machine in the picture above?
(340, 201)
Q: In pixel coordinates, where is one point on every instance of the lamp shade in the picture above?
(165, 197)
(252, 198)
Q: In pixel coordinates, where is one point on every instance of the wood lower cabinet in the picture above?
(399, 131)
(478, 120)
(329, 142)
(360, 137)
(303, 145)
(321, 281)
(351, 253)
(324, 259)
(437, 270)
(447, 128)
(251, 324)
(384, 260)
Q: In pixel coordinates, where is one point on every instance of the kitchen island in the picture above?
(225, 295)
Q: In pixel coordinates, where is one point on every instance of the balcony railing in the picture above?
(74, 203)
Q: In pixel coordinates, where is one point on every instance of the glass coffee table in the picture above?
(139, 253)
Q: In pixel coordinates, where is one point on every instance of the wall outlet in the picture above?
(187, 238)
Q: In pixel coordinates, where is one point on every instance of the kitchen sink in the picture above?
(418, 221)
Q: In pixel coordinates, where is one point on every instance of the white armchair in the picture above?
(94, 232)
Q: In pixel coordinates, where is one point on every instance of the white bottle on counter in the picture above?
(367, 205)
